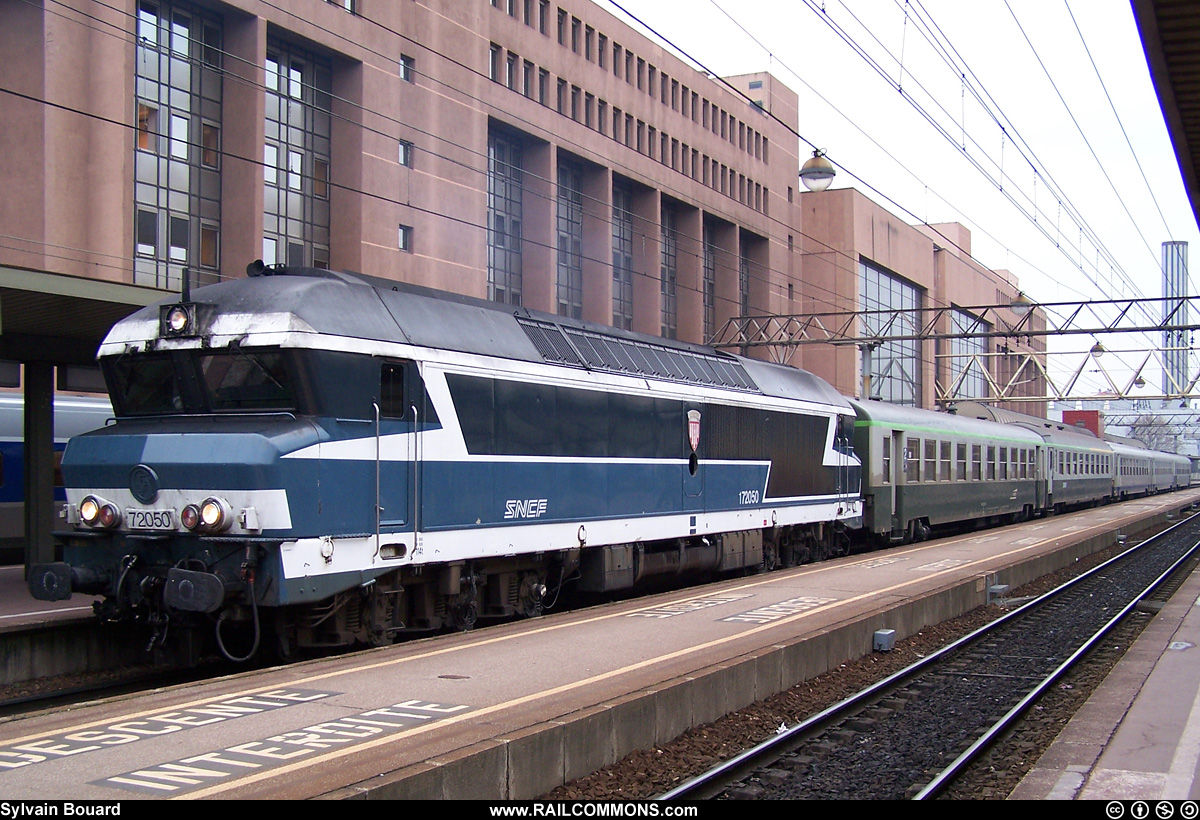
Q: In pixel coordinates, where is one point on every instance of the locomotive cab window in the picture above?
(391, 391)
(244, 380)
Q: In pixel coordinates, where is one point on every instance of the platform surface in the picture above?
(514, 710)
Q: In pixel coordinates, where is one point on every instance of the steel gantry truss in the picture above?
(1014, 326)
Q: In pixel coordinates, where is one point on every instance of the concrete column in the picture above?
(39, 463)
(647, 261)
(725, 238)
(243, 138)
(597, 245)
(538, 209)
(690, 276)
(346, 218)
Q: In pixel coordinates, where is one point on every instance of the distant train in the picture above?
(72, 416)
(315, 459)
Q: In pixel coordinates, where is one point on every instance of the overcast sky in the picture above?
(1099, 223)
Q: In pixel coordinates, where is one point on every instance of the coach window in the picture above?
(962, 463)
(991, 462)
(930, 460)
(976, 462)
(1002, 464)
(946, 474)
(912, 460)
(391, 391)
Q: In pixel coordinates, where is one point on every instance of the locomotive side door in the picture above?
(693, 476)
(395, 446)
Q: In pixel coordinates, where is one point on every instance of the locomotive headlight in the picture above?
(215, 515)
(89, 510)
(177, 320)
(96, 512)
(190, 516)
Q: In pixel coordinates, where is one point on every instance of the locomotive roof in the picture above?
(358, 306)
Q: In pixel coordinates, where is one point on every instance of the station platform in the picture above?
(1138, 736)
(513, 711)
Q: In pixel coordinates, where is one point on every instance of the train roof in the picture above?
(1054, 432)
(913, 418)
(309, 300)
(72, 415)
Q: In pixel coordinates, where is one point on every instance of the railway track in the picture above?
(912, 734)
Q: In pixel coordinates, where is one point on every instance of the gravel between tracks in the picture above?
(647, 773)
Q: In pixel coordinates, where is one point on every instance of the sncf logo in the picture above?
(521, 508)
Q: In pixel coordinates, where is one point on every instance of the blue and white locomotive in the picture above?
(326, 458)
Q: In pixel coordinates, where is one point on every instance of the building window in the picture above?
(147, 233)
(968, 373)
(177, 150)
(669, 272)
(744, 278)
(179, 137)
(210, 246)
(295, 179)
(270, 164)
(147, 136)
(177, 239)
(296, 215)
(348, 5)
(406, 154)
(210, 145)
(894, 366)
(569, 225)
(505, 189)
(709, 295)
(321, 178)
(622, 241)
(494, 52)
(407, 68)
(405, 238)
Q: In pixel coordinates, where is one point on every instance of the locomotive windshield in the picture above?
(190, 381)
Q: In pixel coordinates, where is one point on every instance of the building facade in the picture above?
(535, 153)
(860, 258)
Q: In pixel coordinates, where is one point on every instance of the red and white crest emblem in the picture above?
(694, 429)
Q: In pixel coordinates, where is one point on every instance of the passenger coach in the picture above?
(924, 469)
